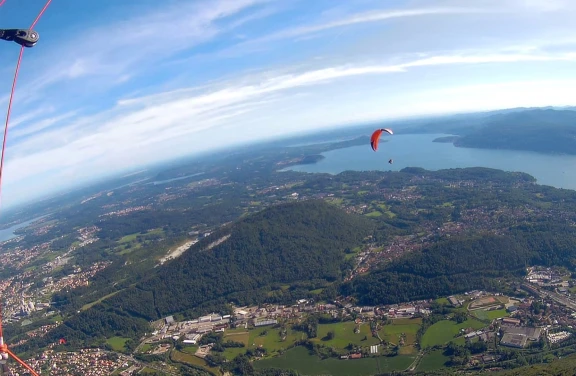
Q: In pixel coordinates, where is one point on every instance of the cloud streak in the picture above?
(141, 122)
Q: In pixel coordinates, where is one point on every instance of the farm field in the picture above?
(392, 333)
(271, 341)
(300, 360)
(182, 357)
(344, 334)
(444, 331)
(117, 343)
(432, 361)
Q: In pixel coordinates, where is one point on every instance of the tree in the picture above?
(331, 334)
(459, 317)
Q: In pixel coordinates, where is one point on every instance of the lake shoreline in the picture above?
(422, 150)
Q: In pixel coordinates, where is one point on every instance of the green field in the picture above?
(391, 333)
(490, 315)
(300, 360)
(117, 343)
(90, 305)
(445, 331)
(432, 361)
(181, 357)
(344, 334)
(442, 300)
(132, 237)
(374, 214)
(237, 336)
(272, 341)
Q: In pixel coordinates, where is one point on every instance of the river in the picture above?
(418, 150)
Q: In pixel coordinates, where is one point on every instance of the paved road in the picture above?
(564, 300)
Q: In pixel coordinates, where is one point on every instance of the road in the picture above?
(415, 362)
(564, 300)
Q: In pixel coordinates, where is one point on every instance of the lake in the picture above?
(418, 150)
(8, 233)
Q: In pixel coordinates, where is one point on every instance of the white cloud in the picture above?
(372, 16)
(134, 44)
(134, 126)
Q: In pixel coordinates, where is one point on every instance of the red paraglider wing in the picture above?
(376, 137)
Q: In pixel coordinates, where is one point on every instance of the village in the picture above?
(499, 321)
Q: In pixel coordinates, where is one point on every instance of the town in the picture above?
(492, 321)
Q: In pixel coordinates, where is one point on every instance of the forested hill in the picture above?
(460, 263)
(558, 367)
(547, 131)
(540, 130)
(282, 245)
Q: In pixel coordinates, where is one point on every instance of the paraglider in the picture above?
(376, 137)
(391, 161)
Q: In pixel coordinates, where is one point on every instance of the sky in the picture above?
(114, 85)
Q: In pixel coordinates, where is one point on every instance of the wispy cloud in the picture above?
(142, 122)
(129, 47)
(367, 17)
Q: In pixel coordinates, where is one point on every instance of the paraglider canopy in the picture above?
(376, 137)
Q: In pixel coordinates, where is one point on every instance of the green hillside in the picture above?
(289, 244)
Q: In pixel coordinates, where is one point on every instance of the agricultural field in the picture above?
(236, 336)
(132, 242)
(446, 330)
(344, 335)
(405, 329)
(432, 361)
(443, 301)
(117, 343)
(271, 341)
(186, 358)
(300, 360)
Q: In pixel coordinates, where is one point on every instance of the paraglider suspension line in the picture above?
(8, 117)
(12, 97)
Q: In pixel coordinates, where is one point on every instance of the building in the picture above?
(507, 320)
(532, 334)
(453, 301)
(265, 322)
(515, 336)
(169, 320)
(204, 318)
(512, 309)
(513, 340)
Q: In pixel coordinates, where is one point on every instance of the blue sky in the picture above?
(116, 84)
